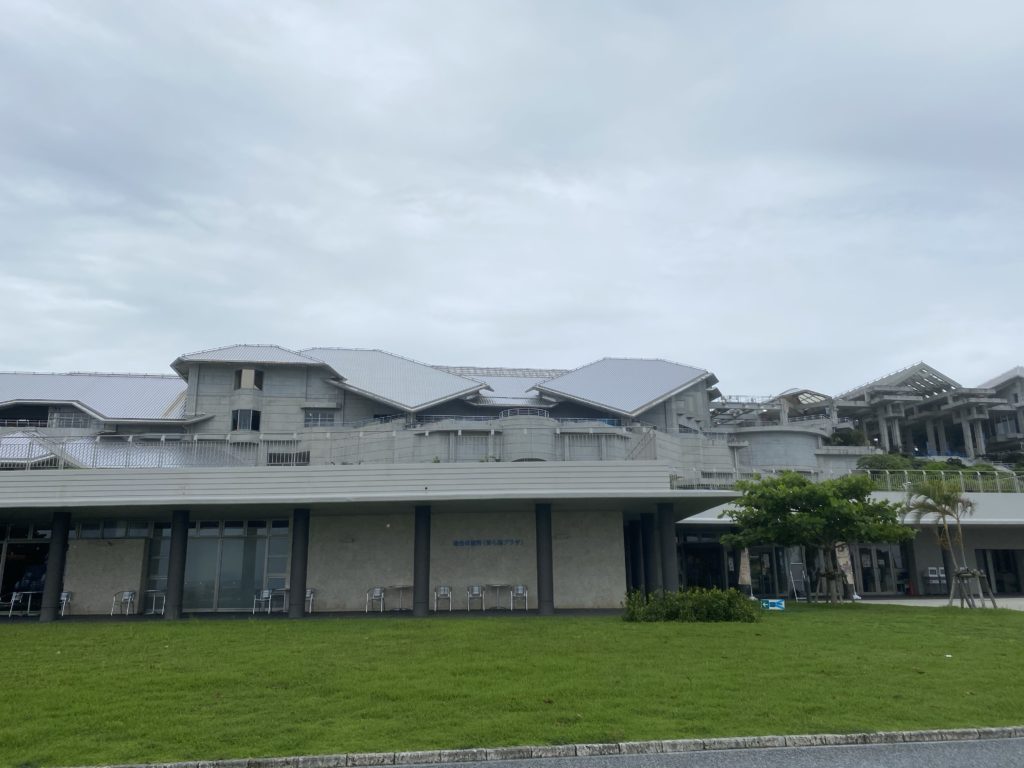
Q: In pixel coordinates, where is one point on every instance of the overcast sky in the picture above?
(785, 193)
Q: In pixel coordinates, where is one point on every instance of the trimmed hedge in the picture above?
(695, 604)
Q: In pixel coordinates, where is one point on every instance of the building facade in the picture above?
(256, 468)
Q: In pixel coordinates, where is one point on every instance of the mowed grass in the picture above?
(79, 693)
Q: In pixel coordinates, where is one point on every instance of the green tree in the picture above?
(885, 461)
(944, 500)
(790, 510)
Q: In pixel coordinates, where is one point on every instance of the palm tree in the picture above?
(944, 501)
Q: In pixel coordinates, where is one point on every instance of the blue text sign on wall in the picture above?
(487, 542)
(773, 605)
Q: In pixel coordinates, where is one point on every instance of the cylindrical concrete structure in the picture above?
(176, 563)
(55, 560)
(649, 537)
(421, 563)
(545, 569)
(636, 555)
(669, 552)
(300, 556)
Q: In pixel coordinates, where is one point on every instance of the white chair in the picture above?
(262, 598)
(123, 602)
(310, 596)
(519, 592)
(16, 597)
(443, 593)
(474, 592)
(375, 595)
(65, 598)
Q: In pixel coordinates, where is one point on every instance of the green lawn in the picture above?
(93, 692)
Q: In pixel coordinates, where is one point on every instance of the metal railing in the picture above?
(524, 412)
(904, 480)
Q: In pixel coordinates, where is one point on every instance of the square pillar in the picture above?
(545, 570)
(300, 556)
(55, 559)
(421, 563)
(176, 563)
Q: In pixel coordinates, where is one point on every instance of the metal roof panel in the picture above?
(112, 396)
(625, 385)
(407, 384)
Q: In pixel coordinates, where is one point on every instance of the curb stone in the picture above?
(590, 750)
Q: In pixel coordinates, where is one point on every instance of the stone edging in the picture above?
(586, 750)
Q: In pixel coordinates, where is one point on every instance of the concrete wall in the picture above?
(287, 389)
(349, 554)
(589, 559)
(96, 569)
(780, 448)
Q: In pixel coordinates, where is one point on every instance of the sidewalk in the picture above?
(1013, 603)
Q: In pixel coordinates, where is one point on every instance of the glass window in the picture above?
(209, 528)
(138, 529)
(19, 531)
(161, 530)
(319, 417)
(115, 529)
(90, 530)
(244, 419)
(279, 528)
(257, 527)
(234, 528)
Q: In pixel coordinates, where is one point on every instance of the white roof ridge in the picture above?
(93, 373)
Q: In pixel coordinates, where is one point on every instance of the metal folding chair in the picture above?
(443, 593)
(519, 592)
(262, 598)
(123, 602)
(65, 598)
(310, 596)
(375, 595)
(475, 592)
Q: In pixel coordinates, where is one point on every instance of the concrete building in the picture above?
(257, 468)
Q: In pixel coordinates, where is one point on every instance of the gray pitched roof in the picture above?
(398, 381)
(1016, 372)
(510, 387)
(623, 385)
(113, 396)
(245, 353)
(919, 378)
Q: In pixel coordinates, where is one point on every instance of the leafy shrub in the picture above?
(695, 604)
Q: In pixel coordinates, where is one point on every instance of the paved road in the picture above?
(990, 753)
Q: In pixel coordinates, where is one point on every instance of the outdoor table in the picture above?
(499, 602)
(281, 592)
(155, 601)
(401, 594)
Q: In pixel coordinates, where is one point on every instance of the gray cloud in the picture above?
(789, 194)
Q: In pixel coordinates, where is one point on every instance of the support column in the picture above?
(940, 429)
(636, 555)
(979, 438)
(883, 430)
(897, 434)
(545, 572)
(929, 433)
(300, 556)
(968, 440)
(55, 559)
(649, 536)
(176, 563)
(421, 563)
(669, 553)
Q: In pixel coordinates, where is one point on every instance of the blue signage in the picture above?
(773, 605)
